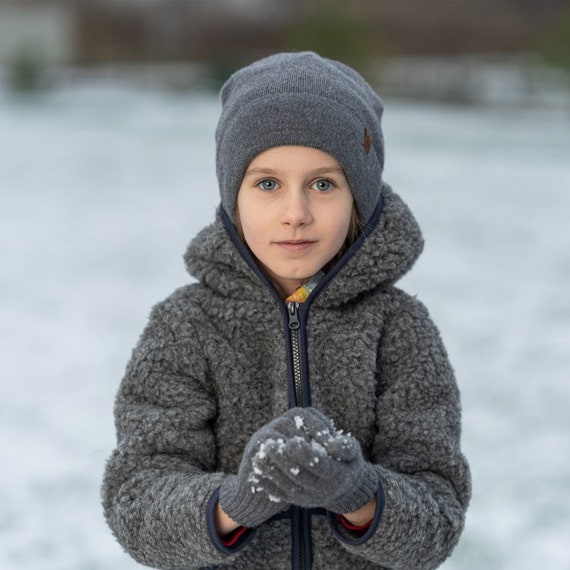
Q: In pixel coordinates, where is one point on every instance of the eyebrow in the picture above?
(273, 172)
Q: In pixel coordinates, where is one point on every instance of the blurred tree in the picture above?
(26, 71)
(336, 29)
(554, 43)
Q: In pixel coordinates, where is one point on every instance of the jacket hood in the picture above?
(386, 250)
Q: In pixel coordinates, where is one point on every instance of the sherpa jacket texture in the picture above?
(212, 367)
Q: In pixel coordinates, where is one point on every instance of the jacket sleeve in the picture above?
(425, 480)
(161, 476)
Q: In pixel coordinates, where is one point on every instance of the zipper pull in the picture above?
(293, 309)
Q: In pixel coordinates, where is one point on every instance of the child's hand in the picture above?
(241, 496)
(314, 465)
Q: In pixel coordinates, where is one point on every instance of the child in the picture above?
(292, 409)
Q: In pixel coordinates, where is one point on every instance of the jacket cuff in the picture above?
(236, 541)
(358, 536)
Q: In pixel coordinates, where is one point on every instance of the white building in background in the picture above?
(42, 32)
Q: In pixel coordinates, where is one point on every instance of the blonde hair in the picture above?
(354, 229)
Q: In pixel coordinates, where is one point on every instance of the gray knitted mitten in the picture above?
(240, 497)
(313, 465)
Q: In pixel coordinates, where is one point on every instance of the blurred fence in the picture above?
(181, 42)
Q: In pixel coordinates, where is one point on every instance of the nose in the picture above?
(297, 208)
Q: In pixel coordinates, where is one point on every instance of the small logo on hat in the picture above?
(367, 143)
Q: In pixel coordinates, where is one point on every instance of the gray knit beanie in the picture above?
(307, 100)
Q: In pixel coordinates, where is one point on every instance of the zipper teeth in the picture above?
(295, 337)
(297, 367)
(303, 545)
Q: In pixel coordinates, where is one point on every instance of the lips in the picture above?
(295, 245)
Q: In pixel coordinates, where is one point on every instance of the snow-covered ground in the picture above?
(102, 187)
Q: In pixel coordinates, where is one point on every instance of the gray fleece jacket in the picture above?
(214, 364)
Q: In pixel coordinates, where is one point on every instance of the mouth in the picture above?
(295, 245)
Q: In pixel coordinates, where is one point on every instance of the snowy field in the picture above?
(101, 188)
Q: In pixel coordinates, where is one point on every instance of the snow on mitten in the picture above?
(319, 466)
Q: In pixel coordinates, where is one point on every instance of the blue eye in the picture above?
(268, 184)
(323, 185)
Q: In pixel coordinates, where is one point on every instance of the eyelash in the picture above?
(330, 182)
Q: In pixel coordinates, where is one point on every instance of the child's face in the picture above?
(295, 208)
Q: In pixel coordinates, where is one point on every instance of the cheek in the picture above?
(340, 226)
(251, 237)
(252, 229)
(244, 217)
